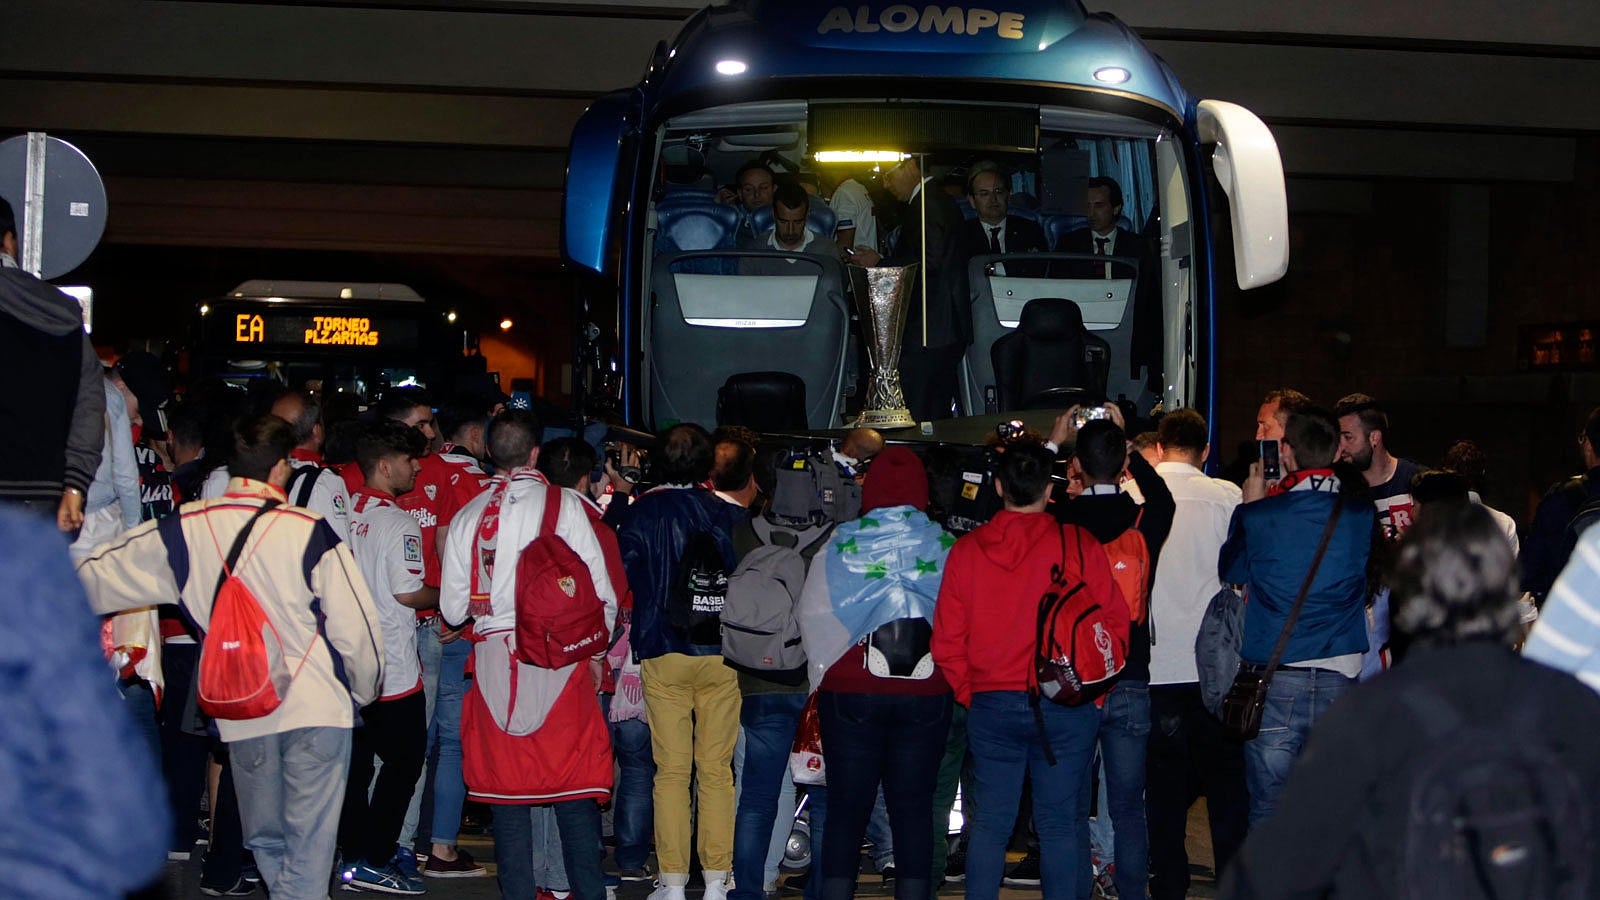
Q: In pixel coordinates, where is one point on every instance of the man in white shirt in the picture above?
(387, 543)
(312, 485)
(790, 207)
(1188, 755)
(856, 225)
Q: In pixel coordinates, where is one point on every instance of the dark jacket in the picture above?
(1021, 236)
(1545, 552)
(1269, 549)
(652, 537)
(949, 321)
(54, 429)
(1108, 516)
(1341, 823)
(78, 784)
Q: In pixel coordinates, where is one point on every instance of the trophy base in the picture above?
(885, 418)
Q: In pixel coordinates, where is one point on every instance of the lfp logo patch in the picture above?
(413, 548)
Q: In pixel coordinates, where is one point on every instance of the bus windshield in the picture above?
(1075, 241)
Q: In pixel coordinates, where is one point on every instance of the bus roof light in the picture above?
(859, 156)
(732, 67)
(1111, 75)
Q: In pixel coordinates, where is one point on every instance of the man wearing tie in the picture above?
(993, 231)
(1103, 237)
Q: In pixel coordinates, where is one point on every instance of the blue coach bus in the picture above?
(1046, 94)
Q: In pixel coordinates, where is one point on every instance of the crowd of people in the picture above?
(338, 630)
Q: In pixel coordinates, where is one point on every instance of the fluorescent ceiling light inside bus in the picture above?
(731, 67)
(859, 156)
(1111, 75)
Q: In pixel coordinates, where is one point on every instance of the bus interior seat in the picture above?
(706, 327)
(1022, 212)
(1022, 200)
(764, 401)
(1048, 352)
(1059, 226)
(968, 211)
(820, 219)
(694, 222)
(1104, 307)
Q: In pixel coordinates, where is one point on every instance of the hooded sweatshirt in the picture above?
(51, 433)
(985, 621)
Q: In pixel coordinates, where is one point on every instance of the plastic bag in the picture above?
(805, 757)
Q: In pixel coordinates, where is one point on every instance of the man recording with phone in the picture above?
(1273, 550)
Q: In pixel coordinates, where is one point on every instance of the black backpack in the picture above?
(699, 592)
(972, 499)
(1492, 812)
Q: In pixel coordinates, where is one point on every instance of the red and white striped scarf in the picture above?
(488, 532)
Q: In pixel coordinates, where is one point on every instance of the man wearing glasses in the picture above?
(994, 231)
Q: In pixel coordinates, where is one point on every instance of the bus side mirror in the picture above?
(1251, 172)
(594, 178)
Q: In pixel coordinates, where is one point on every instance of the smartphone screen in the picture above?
(1271, 468)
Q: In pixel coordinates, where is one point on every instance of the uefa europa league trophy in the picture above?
(883, 295)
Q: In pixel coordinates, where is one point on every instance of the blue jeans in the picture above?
(516, 843)
(444, 739)
(893, 740)
(769, 722)
(1296, 698)
(290, 786)
(1003, 735)
(633, 814)
(1124, 737)
(428, 649)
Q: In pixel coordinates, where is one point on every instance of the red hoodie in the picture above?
(984, 623)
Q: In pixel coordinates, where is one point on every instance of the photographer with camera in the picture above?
(1133, 534)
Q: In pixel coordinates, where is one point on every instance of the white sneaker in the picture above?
(667, 892)
(716, 885)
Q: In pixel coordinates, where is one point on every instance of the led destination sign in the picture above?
(316, 331)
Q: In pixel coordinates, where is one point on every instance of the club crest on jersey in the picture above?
(431, 490)
(568, 585)
(413, 548)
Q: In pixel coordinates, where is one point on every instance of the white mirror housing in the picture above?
(1247, 164)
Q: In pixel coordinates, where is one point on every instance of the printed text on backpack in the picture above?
(560, 618)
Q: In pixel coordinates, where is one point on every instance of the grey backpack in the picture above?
(1216, 647)
(760, 633)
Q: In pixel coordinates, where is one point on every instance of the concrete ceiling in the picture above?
(354, 107)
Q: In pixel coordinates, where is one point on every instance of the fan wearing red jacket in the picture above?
(984, 641)
(530, 736)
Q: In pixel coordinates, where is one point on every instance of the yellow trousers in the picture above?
(693, 708)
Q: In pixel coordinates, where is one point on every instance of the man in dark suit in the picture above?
(937, 331)
(1104, 237)
(994, 231)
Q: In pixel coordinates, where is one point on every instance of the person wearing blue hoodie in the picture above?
(866, 621)
(677, 549)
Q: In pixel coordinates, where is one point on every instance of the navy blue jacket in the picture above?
(652, 537)
(1269, 548)
(1545, 552)
(79, 787)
